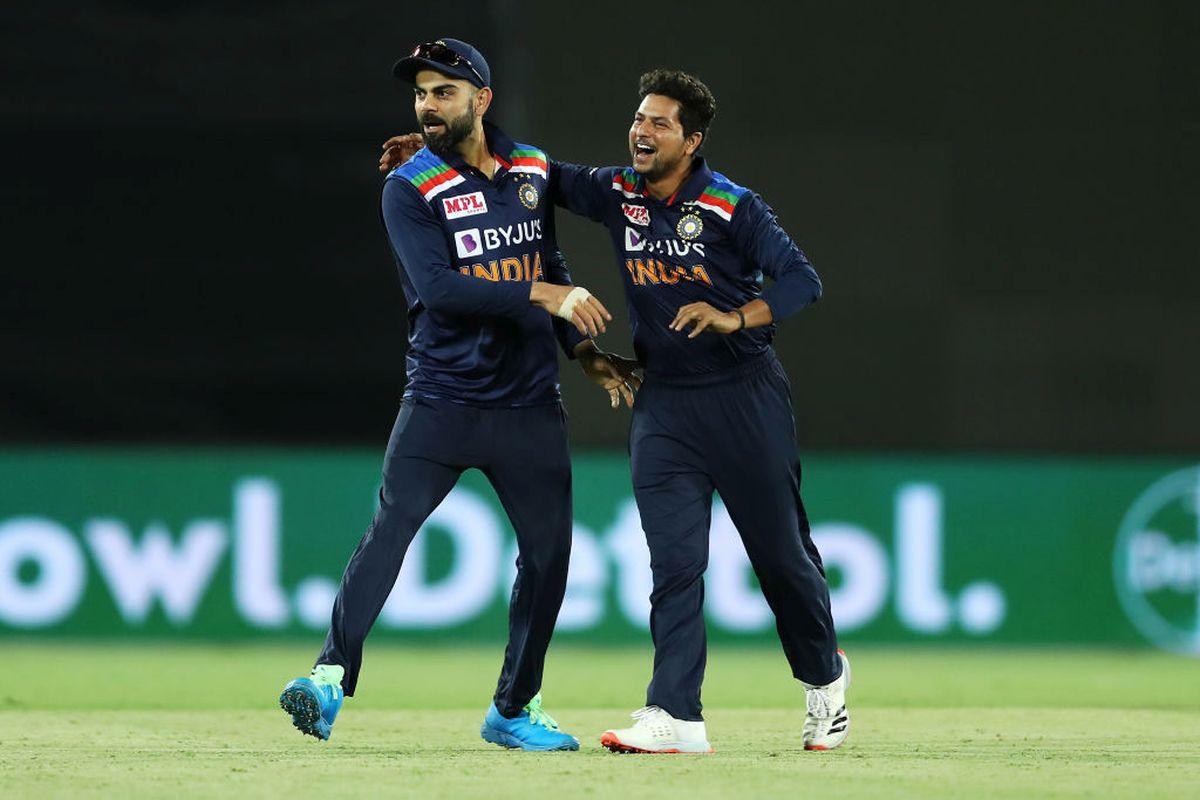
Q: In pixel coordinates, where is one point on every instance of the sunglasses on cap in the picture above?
(441, 54)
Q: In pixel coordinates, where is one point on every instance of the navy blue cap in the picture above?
(439, 55)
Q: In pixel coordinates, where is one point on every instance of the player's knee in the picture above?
(786, 571)
(673, 571)
(548, 558)
(395, 525)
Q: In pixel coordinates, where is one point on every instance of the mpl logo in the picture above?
(464, 205)
(634, 240)
(1157, 562)
(468, 243)
(638, 215)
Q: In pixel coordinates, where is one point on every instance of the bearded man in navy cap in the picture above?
(472, 233)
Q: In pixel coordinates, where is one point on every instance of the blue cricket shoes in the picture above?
(313, 704)
(532, 729)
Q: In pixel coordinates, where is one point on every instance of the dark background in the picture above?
(1001, 198)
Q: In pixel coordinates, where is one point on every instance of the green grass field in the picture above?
(202, 721)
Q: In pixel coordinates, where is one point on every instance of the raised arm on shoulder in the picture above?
(580, 189)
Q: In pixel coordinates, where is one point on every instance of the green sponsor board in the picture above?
(250, 543)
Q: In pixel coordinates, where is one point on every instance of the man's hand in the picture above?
(588, 314)
(399, 149)
(705, 317)
(616, 374)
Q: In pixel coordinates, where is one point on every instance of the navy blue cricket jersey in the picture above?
(468, 248)
(713, 241)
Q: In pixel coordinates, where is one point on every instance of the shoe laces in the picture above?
(654, 719)
(819, 703)
(538, 715)
(648, 714)
(328, 675)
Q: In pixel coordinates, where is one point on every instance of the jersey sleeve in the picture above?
(557, 273)
(581, 190)
(757, 233)
(419, 242)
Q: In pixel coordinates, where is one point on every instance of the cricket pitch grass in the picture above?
(184, 721)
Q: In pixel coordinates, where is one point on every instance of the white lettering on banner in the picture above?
(471, 584)
(314, 602)
(860, 560)
(157, 569)
(734, 604)
(1156, 562)
(583, 605)
(730, 600)
(981, 607)
(256, 561)
(136, 575)
(61, 573)
(626, 545)
(587, 576)
(921, 602)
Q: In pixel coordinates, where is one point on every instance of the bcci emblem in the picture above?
(1157, 562)
(689, 227)
(529, 195)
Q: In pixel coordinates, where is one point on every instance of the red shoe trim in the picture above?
(614, 744)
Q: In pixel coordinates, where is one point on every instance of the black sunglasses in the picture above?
(441, 54)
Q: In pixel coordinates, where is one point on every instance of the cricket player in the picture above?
(472, 232)
(714, 412)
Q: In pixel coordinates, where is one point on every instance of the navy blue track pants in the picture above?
(734, 433)
(523, 453)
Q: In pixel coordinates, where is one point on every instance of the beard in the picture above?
(456, 131)
(660, 166)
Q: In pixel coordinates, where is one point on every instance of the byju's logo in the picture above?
(634, 240)
(468, 243)
(1157, 562)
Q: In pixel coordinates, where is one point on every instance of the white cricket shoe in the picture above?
(656, 731)
(827, 721)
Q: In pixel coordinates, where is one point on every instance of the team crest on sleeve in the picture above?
(690, 226)
(528, 194)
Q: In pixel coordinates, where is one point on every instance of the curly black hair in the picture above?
(697, 106)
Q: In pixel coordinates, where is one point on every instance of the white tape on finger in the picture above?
(573, 298)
